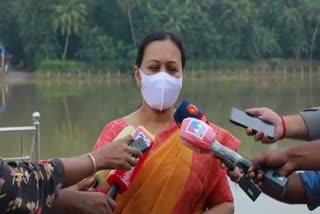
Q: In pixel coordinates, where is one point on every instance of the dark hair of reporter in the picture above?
(160, 36)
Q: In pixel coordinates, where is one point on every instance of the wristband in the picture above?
(284, 128)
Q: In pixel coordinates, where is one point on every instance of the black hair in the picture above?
(160, 36)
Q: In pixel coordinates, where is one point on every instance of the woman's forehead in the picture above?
(162, 51)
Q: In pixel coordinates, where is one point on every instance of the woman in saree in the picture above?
(173, 178)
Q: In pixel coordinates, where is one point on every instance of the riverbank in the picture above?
(80, 71)
(119, 68)
(283, 75)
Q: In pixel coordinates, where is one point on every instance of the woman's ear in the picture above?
(137, 76)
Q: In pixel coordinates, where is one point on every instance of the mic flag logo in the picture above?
(141, 132)
(144, 137)
(192, 109)
(197, 128)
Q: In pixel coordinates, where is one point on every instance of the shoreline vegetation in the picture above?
(77, 69)
(280, 69)
(123, 67)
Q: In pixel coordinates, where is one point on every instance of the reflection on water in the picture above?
(73, 113)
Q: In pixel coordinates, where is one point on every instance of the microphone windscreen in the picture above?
(187, 109)
(126, 131)
(143, 133)
(197, 135)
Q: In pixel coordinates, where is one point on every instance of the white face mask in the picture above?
(160, 90)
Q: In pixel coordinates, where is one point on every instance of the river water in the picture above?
(73, 113)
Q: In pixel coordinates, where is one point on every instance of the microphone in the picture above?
(187, 109)
(200, 137)
(100, 176)
(120, 179)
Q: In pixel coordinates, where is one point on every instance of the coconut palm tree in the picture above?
(70, 18)
(314, 6)
(128, 6)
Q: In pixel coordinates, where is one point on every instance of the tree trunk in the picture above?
(298, 53)
(131, 25)
(65, 47)
(2, 59)
(313, 41)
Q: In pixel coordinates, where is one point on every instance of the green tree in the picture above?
(108, 31)
(69, 18)
(128, 6)
(293, 25)
(314, 7)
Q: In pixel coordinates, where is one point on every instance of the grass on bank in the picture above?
(69, 66)
(125, 67)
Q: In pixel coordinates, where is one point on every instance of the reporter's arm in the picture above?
(303, 188)
(77, 168)
(117, 154)
(290, 159)
(305, 156)
(304, 126)
(294, 193)
(74, 201)
(296, 127)
(311, 119)
(311, 182)
(29, 187)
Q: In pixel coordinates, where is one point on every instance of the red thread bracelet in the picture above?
(284, 127)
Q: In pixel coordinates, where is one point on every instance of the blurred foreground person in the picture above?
(32, 187)
(303, 187)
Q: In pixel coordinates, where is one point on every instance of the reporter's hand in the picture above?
(75, 200)
(95, 202)
(92, 199)
(269, 116)
(276, 159)
(235, 174)
(117, 155)
(83, 185)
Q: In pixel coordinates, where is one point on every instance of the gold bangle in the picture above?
(94, 169)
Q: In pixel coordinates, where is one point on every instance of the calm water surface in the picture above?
(74, 112)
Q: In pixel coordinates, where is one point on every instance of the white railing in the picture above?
(35, 148)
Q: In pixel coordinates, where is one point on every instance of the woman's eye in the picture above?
(172, 70)
(154, 68)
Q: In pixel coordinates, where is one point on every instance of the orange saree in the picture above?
(173, 179)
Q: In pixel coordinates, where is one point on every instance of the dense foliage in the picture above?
(96, 31)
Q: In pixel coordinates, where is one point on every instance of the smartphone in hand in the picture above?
(241, 118)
